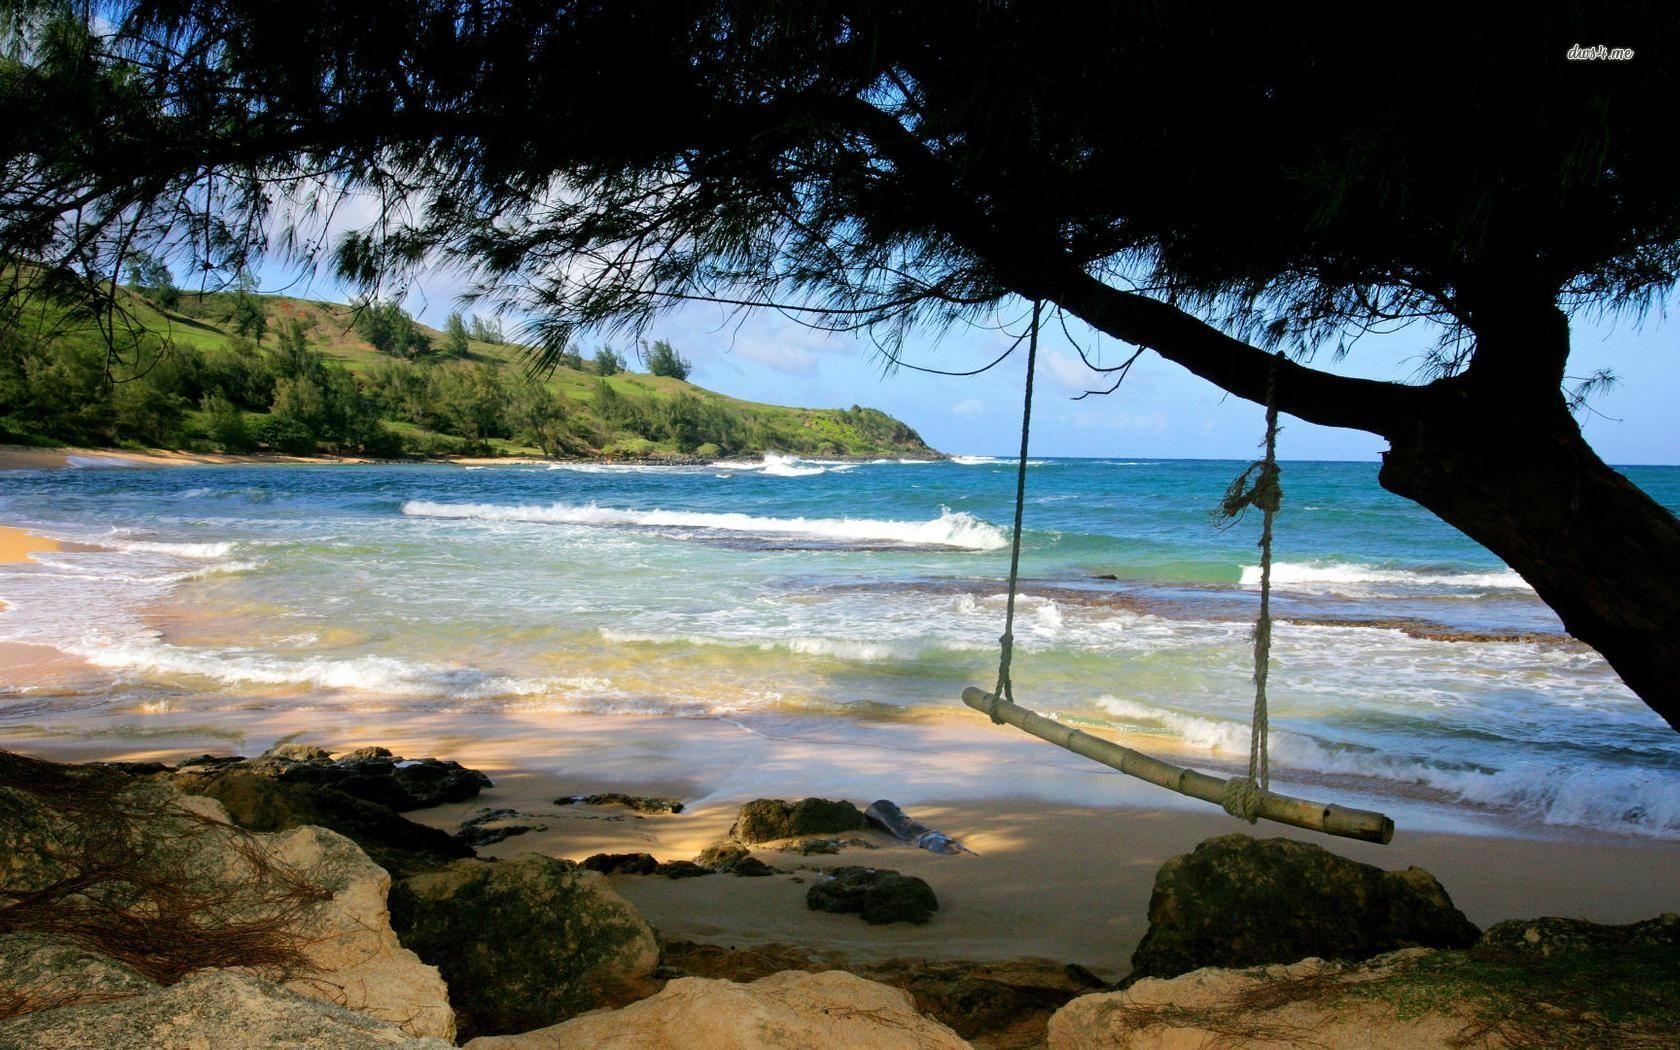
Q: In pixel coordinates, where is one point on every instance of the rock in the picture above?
(347, 938)
(1310, 1003)
(807, 847)
(525, 942)
(732, 858)
(397, 844)
(767, 819)
(1238, 901)
(490, 826)
(1006, 1003)
(638, 803)
(41, 970)
(210, 1010)
(785, 1011)
(1550, 937)
(622, 863)
(877, 894)
(682, 869)
(370, 774)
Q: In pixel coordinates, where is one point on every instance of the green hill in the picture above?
(240, 372)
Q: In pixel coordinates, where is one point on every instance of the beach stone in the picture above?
(622, 863)
(1240, 901)
(877, 894)
(525, 942)
(767, 819)
(259, 803)
(682, 869)
(1548, 937)
(490, 826)
(732, 858)
(638, 803)
(808, 847)
(791, 1010)
(371, 774)
(210, 1010)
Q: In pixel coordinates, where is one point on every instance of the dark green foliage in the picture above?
(389, 329)
(607, 362)
(225, 425)
(150, 276)
(662, 359)
(455, 336)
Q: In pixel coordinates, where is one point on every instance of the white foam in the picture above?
(952, 529)
(1331, 575)
(1637, 801)
(178, 550)
(975, 461)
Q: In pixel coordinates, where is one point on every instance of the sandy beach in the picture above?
(1047, 878)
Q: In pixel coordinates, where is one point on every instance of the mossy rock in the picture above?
(878, 895)
(524, 943)
(767, 819)
(1238, 901)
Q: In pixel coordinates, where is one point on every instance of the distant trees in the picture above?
(389, 329)
(249, 317)
(662, 359)
(486, 330)
(608, 362)
(455, 337)
(151, 277)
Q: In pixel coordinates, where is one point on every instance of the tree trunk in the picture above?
(1520, 480)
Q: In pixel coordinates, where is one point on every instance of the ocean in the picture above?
(1410, 666)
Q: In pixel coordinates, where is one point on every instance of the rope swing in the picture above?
(1248, 797)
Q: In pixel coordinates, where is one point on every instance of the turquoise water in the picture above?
(1410, 662)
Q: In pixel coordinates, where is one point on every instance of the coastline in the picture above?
(27, 457)
(1049, 878)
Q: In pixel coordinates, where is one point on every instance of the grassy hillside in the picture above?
(238, 372)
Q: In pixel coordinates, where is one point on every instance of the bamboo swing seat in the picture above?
(1250, 797)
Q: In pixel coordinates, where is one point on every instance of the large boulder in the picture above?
(785, 1011)
(768, 819)
(209, 1010)
(51, 970)
(879, 895)
(1549, 937)
(353, 956)
(525, 942)
(1239, 901)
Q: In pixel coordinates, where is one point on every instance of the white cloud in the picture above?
(1068, 373)
(970, 407)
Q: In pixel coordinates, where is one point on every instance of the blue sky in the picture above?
(1161, 411)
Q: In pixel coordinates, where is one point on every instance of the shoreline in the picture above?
(1069, 882)
(28, 457)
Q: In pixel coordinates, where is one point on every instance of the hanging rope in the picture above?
(1005, 690)
(1258, 487)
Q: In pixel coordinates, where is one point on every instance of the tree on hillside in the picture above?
(390, 330)
(607, 362)
(250, 318)
(455, 336)
(1212, 189)
(150, 276)
(662, 359)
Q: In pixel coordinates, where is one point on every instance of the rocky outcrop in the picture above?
(785, 1011)
(490, 826)
(372, 774)
(768, 819)
(133, 885)
(525, 942)
(1350, 1006)
(209, 1010)
(1238, 901)
(622, 863)
(260, 803)
(877, 894)
(634, 803)
(1549, 937)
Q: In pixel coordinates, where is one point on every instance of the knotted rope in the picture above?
(1004, 689)
(1258, 487)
